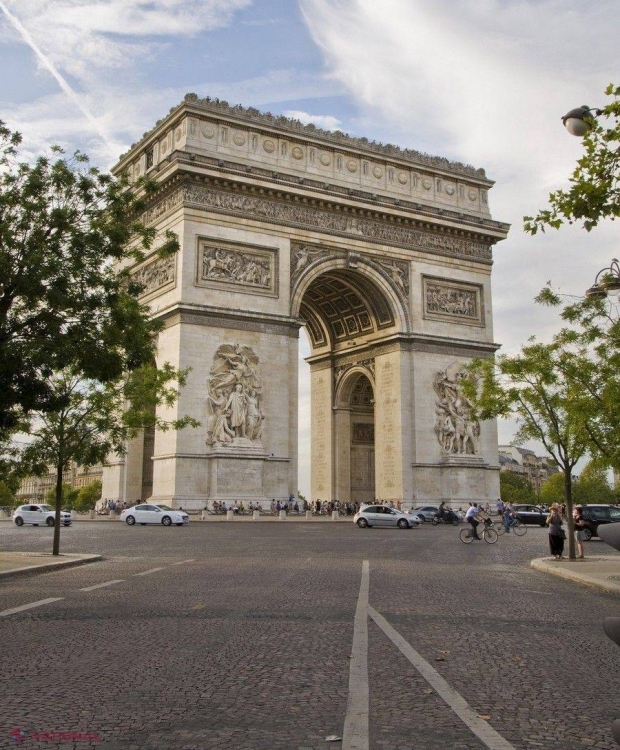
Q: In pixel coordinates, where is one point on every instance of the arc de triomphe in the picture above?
(383, 254)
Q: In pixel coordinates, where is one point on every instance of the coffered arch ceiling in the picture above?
(341, 305)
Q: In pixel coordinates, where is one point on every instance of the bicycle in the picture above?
(519, 528)
(488, 533)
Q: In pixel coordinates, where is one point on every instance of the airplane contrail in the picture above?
(26, 36)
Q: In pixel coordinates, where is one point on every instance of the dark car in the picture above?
(531, 514)
(595, 515)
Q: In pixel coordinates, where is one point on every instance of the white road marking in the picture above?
(40, 603)
(457, 703)
(355, 732)
(148, 572)
(102, 585)
(182, 562)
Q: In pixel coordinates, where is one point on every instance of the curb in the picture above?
(601, 581)
(55, 565)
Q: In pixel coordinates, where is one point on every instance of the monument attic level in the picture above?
(385, 256)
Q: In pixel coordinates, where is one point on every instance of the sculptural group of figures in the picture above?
(234, 413)
(451, 301)
(456, 431)
(236, 267)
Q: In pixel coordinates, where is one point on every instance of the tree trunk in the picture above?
(568, 493)
(56, 544)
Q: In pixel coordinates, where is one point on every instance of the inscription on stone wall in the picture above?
(246, 268)
(321, 410)
(389, 419)
(453, 301)
(156, 275)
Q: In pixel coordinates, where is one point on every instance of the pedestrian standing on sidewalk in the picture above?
(580, 534)
(556, 532)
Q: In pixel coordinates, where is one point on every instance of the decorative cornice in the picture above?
(230, 319)
(336, 138)
(297, 213)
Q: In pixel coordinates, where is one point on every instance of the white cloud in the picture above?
(328, 122)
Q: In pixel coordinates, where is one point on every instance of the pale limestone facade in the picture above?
(384, 254)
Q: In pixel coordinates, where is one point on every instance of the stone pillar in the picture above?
(282, 515)
(322, 437)
(393, 427)
(335, 515)
(342, 454)
(256, 515)
(229, 515)
(308, 515)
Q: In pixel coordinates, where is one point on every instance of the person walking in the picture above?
(557, 535)
(580, 534)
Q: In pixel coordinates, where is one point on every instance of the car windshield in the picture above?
(46, 508)
(165, 507)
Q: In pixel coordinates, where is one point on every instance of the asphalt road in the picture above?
(243, 636)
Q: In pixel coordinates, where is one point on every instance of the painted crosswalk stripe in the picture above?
(24, 607)
(102, 585)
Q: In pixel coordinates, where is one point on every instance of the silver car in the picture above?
(383, 515)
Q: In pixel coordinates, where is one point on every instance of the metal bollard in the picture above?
(256, 515)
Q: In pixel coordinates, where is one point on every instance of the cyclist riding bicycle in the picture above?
(472, 517)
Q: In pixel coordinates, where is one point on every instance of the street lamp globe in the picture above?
(575, 120)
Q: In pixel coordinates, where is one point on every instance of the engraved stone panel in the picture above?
(245, 268)
(452, 300)
(362, 433)
(157, 276)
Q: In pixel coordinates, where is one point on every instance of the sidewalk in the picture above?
(603, 572)
(19, 563)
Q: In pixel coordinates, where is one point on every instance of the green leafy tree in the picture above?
(514, 488)
(595, 185)
(7, 498)
(552, 490)
(68, 496)
(93, 419)
(65, 230)
(592, 485)
(532, 387)
(88, 496)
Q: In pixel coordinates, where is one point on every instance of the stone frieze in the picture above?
(156, 274)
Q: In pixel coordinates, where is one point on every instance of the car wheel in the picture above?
(402, 524)
(421, 517)
(362, 523)
(587, 533)
(19, 521)
(130, 520)
(50, 522)
(167, 521)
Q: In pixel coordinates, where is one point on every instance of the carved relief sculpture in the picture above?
(234, 412)
(236, 266)
(456, 432)
(455, 301)
(156, 274)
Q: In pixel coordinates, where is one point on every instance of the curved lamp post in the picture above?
(607, 281)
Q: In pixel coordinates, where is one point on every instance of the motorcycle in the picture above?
(449, 516)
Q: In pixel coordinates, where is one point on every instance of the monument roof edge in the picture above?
(252, 115)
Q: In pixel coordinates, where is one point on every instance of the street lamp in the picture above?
(607, 281)
(576, 121)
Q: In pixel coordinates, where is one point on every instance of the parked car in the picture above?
(531, 514)
(383, 515)
(596, 515)
(147, 513)
(39, 515)
(426, 512)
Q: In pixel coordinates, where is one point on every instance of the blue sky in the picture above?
(479, 81)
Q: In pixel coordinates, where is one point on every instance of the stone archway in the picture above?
(383, 254)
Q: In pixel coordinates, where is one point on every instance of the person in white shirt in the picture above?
(472, 517)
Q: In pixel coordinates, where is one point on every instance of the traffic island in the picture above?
(603, 572)
(22, 563)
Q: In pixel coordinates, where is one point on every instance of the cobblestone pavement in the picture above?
(247, 647)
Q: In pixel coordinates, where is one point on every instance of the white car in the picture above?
(148, 513)
(39, 514)
(383, 515)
